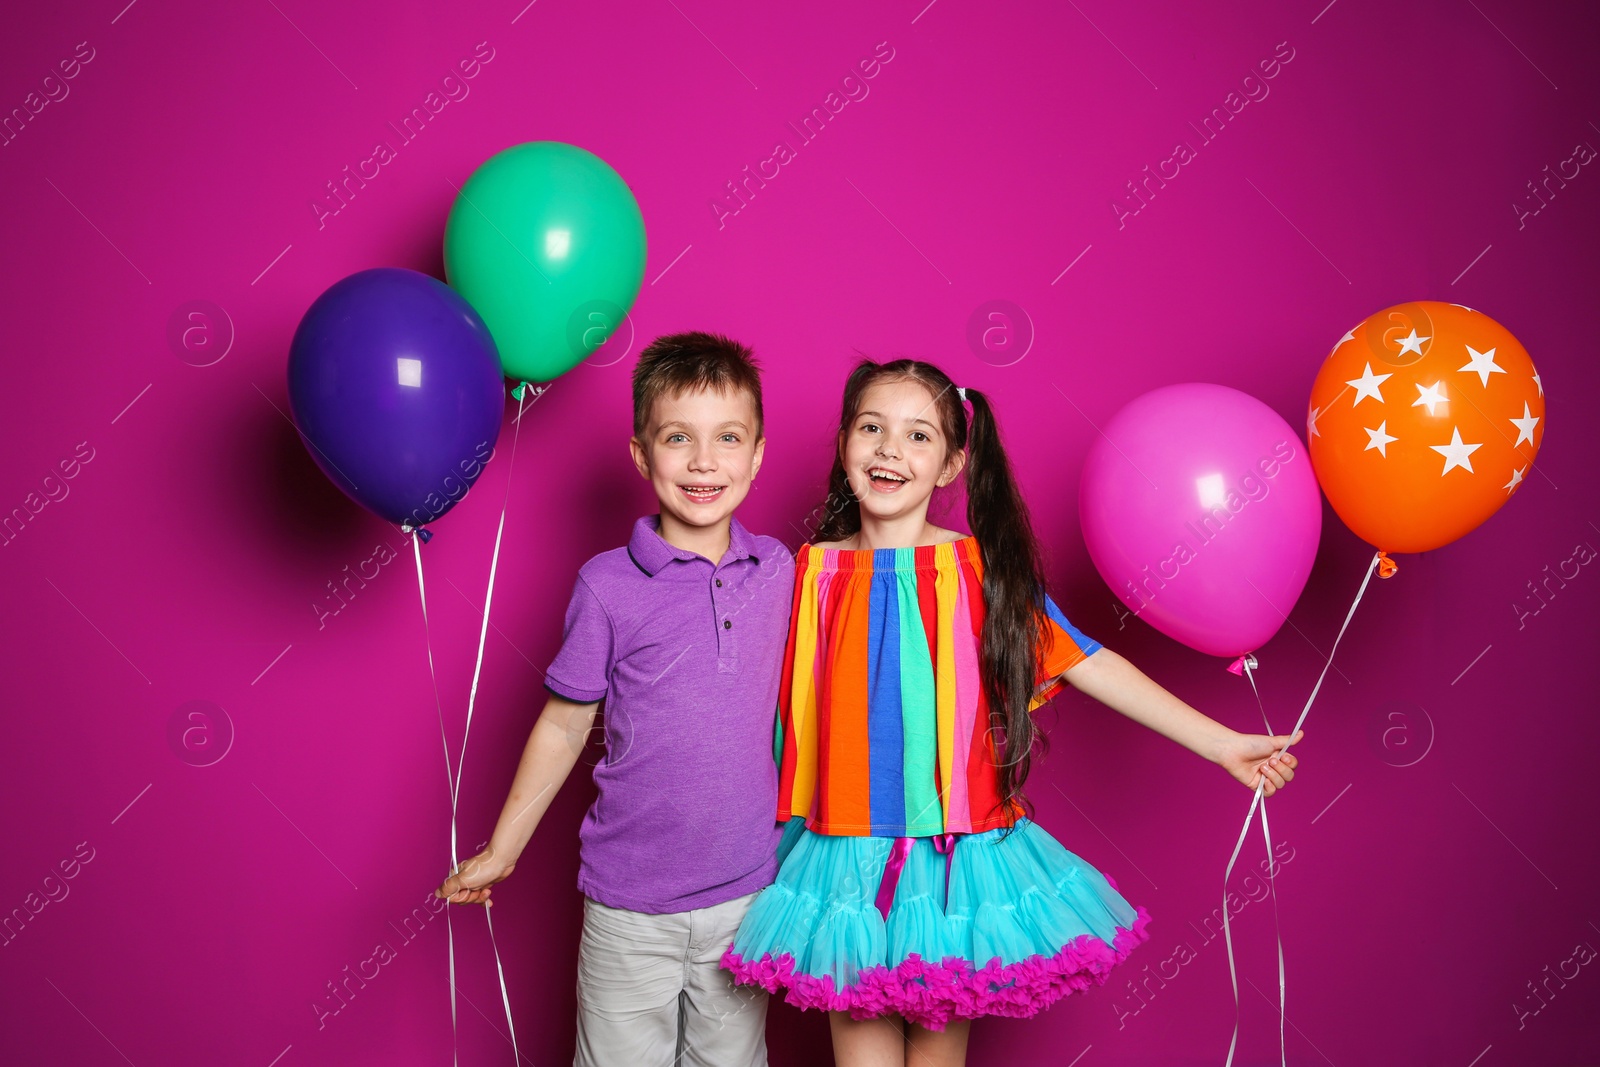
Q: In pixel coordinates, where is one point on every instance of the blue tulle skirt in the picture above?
(1022, 923)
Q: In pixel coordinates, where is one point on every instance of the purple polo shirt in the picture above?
(687, 656)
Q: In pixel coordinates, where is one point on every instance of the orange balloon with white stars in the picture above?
(1423, 420)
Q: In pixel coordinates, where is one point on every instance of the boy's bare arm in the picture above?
(549, 756)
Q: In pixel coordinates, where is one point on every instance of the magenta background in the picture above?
(1422, 899)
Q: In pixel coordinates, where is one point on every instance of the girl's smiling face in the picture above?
(895, 453)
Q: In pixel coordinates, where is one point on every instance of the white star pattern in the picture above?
(1430, 395)
(1524, 425)
(1311, 423)
(1351, 336)
(1540, 384)
(1483, 363)
(1368, 384)
(1412, 343)
(1456, 454)
(1516, 480)
(1379, 439)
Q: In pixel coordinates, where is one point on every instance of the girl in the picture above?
(914, 892)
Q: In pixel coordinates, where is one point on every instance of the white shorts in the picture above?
(652, 992)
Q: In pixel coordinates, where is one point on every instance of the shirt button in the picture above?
(727, 624)
(719, 583)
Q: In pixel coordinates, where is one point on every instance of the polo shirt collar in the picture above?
(652, 551)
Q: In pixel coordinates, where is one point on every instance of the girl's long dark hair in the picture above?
(1013, 572)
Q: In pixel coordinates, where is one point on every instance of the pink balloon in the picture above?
(1202, 513)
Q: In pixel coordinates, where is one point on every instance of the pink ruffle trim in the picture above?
(932, 994)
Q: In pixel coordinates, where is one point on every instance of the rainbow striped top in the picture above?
(884, 723)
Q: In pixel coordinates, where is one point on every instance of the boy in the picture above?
(681, 633)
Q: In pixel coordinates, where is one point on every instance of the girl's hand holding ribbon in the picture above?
(1252, 758)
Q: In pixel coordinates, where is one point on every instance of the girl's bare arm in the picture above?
(1118, 684)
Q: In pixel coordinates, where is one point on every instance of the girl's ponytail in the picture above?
(1013, 587)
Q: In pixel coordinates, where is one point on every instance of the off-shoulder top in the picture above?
(884, 725)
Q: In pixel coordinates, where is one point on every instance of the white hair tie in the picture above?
(962, 393)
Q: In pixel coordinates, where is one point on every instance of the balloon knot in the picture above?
(423, 534)
(1386, 566)
(1238, 666)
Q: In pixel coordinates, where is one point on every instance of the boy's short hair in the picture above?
(677, 362)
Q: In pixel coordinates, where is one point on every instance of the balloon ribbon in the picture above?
(454, 781)
(1260, 801)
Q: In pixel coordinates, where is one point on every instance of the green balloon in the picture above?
(547, 244)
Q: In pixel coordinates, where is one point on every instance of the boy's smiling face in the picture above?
(700, 451)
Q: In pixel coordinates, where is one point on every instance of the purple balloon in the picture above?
(395, 384)
(1201, 511)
